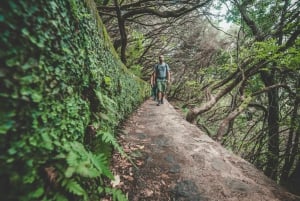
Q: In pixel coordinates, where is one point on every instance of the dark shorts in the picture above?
(161, 85)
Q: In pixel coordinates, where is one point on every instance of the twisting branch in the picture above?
(224, 126)
(141, 8)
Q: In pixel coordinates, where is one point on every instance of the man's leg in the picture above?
(154, 93)
(159, 92)
(163, 92)
(159, 97)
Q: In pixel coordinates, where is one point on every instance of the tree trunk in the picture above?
(121, 23)
(273, 126)
(294, 181)
(293, 139)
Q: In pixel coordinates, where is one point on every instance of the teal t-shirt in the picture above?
(161, 70)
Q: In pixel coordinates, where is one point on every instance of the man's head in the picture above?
(161, 58)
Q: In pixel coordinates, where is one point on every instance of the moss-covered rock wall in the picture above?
(63, 93)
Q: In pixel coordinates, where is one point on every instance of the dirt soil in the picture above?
(174, 160)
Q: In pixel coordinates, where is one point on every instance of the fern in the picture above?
(110, 106)
(85, 163)
(100, 162)
(86, 169)
(72, 158)
(116, 194)
(107, 137)
(74, 187)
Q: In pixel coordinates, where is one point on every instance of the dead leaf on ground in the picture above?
(51, 173)
(140, 146)
(127, 177)
(139, 162)
(165, 176)
(148, 192)
(116, 181)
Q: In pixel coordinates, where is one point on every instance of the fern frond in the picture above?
(100, 162)
(69, 172)
(85, 163)
(72, 158)
(74, 187)
(86, 169)
(117, 194)
(110, 105)
(107, 137)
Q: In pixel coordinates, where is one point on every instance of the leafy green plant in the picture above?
(63, 93)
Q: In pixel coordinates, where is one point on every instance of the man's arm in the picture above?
(152, 79)
(168, 74)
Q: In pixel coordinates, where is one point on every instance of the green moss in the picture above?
(63, 89)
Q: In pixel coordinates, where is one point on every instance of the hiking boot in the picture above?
(158, 104)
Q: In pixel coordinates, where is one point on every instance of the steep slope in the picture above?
(176, 161)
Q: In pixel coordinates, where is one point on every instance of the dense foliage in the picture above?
(63, 92)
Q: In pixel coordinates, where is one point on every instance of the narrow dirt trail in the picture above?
(176, 161)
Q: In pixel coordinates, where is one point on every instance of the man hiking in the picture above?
(162, 75)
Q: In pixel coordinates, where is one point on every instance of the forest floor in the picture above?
(174, 160)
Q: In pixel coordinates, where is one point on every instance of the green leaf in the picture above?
(69, 172)
(31, 62)
(38, 192)
(12, 151)
(36, 97)
(107, 80)
(2, 19)
(12, 62)
(46, 141)
(5, 126)
(109, 138)
(85, 169)
(13, 6)
(74, 187)
(29, 178)
(25, 31)
(72, 159)
(33, 141)
(117, 194)
(100, 189)
(59, 197)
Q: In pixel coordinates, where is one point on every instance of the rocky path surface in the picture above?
(174, 160)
